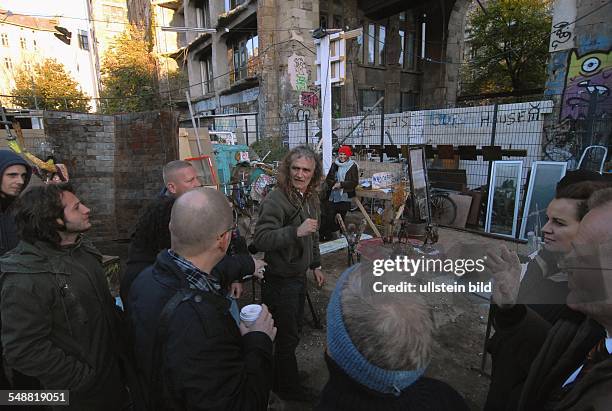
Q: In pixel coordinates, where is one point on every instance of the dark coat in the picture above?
(207, 364)
(59, 322)
(532, 359)
(351, 180)
(8, 232)
(287, 254)
(152, 235)
(543, 295)
(341, 393)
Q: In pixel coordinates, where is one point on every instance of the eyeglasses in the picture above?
(231, 229)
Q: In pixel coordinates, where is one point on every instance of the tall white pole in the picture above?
(326, 102)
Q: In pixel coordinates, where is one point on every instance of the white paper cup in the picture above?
(249, 314)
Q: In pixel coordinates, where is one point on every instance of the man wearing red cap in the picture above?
(341, 181)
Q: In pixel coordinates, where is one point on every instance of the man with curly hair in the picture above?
(59, 322)
(287, 232)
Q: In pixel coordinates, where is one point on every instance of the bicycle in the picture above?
(443, 208)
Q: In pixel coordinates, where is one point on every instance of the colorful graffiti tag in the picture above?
(587, 85)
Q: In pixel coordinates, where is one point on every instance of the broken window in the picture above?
(206, 73)
(244, 58)
(408, 41)
(374, 40)
(202, 14)
(232, 4)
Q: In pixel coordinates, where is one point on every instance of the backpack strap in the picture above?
(156, 397)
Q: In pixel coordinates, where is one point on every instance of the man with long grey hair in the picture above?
(287, 232)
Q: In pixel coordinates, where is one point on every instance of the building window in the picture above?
(323, 21)
(380, 45)
(113, 15)
(367, 99)
(27, 66)
(244, 58)
(232, 4)
(202, 14)
(206, 73)
(83, 40)
(409, 101)
(408, 42)
(4, 39)
(22, 43)
(372, 43)
(35, 45)
(8, 64)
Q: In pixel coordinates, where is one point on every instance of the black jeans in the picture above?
(285, 299)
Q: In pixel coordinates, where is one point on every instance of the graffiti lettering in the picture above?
(301, 114)
(446, 119)
(309, 99)
(299, 72)
(301, 82)
(561, 35)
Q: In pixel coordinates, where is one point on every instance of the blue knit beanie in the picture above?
(344, 353)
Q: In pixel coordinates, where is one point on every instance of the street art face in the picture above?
(587, 87)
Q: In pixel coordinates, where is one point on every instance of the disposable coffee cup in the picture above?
(249, 314)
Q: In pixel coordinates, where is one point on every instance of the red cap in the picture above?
(345, 150)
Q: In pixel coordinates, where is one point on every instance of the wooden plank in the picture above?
(367, 217)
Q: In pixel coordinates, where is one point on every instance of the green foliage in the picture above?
(129, 76)
(49, 87)
(277, 149)
(510, 44)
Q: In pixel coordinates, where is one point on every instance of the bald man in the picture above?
(151, 234)
(193, 351)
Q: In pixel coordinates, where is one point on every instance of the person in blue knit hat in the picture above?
(378, 347)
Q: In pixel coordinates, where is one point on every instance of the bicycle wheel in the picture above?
(443, 209)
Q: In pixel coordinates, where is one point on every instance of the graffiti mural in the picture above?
(299, 72)
(587, 85)
(309, 99)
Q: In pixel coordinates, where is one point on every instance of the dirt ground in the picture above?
(460, 326)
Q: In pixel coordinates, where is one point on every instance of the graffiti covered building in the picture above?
(260, 57)
(580, 74)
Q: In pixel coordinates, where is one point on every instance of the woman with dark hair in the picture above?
(544, 285)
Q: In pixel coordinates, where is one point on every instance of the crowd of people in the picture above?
(178, 342)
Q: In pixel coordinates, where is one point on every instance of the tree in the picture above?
(129, 76)
(509, 41)
(48, 87)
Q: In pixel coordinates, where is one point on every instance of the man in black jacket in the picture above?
(192, 350)
(15, 175)
(151, 234)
